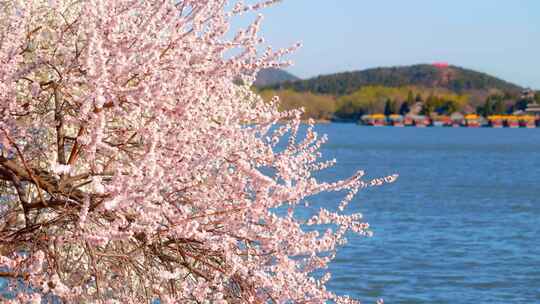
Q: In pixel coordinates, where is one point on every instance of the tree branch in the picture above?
(59, 119)
(21, 192)
(28, 171)
(42, 179)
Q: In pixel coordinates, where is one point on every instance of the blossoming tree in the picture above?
(137, 165)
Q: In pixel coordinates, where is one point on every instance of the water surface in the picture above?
(461, 224)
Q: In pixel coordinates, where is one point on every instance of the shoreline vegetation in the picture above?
(369, 107)
(437, 95)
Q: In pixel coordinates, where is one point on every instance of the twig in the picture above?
(30, 173)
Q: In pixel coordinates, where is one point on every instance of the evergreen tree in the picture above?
(388, 108)
(499, 107)
(428, 106)
(521, 104)
(410, 98)
(487, 109)
(404, 109)
(449, 107)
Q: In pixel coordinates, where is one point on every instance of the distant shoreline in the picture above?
(326, 122)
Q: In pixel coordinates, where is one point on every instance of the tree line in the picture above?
(370, 100)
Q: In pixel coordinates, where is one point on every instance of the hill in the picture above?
(456, 79)
(270, 77)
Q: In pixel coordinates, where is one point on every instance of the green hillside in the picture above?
(456, 79)
(425, 89)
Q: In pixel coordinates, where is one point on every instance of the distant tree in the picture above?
(521, 104)
(457, 85)
(508, 95)
(494, 104)
(480, 110)
(499, 107)
(442, 104)
(320, 107)
(410, 98)
(487, 108)
(379, 99)
(404, 109)
(348, 110)
(428, 106)
(388, 107)
(449, 107)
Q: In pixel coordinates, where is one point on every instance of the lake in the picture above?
(461, 224)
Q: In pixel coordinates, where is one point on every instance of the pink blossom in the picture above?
(144, 171)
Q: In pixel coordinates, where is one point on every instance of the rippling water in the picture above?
(461, 224)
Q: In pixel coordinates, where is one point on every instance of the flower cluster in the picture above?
(135, 166)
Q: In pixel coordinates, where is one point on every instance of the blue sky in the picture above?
(500, 37)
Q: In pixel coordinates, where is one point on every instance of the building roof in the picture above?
(533, 108)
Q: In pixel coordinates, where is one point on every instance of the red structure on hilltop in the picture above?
(440, 65)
